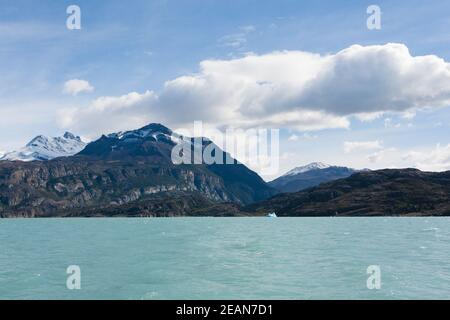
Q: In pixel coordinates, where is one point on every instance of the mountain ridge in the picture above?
(310, 175)
(131, 174)
(306, 168)
(387, 192)
(43, 148)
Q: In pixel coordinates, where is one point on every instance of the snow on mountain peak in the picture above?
(37, 141)
(308, 167)
(42, 148)
(154, 130)
(71, 136)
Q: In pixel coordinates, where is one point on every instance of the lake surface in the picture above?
(225, 258)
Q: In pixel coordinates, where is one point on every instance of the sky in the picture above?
(339, 92)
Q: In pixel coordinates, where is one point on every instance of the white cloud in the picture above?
(374, 157)
(76, 86)
(352, 146)
(291, 89)
(376, 79)
(409, 115)
(380, 155)
(437, 159)
(248, 29)
(237, 40)
(367, 117)
(109, 114)
(309, 136)
(388, 123)
(305, 136)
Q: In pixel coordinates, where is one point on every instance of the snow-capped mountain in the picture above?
(154, 143)
(153, 131)
(308, 167)
(310, 175)
(42, 148)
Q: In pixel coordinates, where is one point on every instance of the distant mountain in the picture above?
(399, 192)
(42, 148)
(129, 170)
(310, 175)
(308, 167)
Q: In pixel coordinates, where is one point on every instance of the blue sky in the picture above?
(138, 45)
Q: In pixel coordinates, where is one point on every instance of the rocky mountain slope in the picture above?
(42, 148)
(310, 175)
(163, 204)
(132, 174)
(120, 169)
(405, 192)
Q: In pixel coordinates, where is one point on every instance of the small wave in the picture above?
(431, 229)
(149, 295)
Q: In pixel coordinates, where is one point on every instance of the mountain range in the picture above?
(132, 174)
(121, 168)
(311, 175)
(42, 148)
(389, 192)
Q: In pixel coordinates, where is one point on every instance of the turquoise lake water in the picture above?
(225, 258)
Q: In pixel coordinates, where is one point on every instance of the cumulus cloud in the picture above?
(437, 159)
(108, 114)
(76, 86)
(380, 155)
(292, 89)
(368, 117)
(374, 79)
(352, 146)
